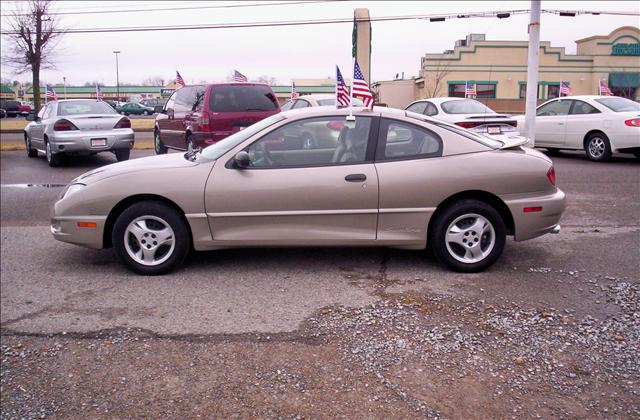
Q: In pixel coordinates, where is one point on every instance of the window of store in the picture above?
(487, 91)
(523, 91)
(456, 90)
(553, 91)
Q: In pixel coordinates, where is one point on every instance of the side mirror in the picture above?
(242, 160)
(31, 116)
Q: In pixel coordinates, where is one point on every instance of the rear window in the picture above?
(465, 106)
(84, 107)
(238, 98)
(619, 104)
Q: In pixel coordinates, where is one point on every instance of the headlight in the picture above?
(71, 189)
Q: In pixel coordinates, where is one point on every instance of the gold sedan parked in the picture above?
(393, 178)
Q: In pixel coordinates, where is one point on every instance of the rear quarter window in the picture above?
(240, 98)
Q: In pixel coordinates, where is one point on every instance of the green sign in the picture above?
(626, 49)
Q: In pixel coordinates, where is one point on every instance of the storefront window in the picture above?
(486, 91)
(457, 90)
(553, 91)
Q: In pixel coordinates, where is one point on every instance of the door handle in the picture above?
(355, 178)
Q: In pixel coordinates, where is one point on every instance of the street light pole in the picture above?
(532, 71)
(117, 77)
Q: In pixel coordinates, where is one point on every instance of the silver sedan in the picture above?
(77, 126)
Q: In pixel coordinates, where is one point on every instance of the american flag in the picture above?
(470, 89)
(239, 77)
(565, 90)
(294, 92)
(360, 87)
(51, 93)
(603, 88)
(342, 93)
(179, 79)
(98, 92)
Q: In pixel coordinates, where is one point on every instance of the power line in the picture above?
(226, 6)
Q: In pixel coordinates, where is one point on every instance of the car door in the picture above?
(402, 161)
(551, 118)
(582, 118)
(165, 119)
(36, 132)
(297, 196)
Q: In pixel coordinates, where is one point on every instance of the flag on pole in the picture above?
(98, 93)
(294, 92)
(360, 87)
(342, 93)
(179, 79)
(603, 88)
(565, 90)
(51, 93)
(239, 77)
(470, 89)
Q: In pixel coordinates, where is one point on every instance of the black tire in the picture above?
(53, 159)
(489, 241)
(636, 154)
(551, 151)
(158, 145)
(168, 259)
(122, 154)
(598, 147)
(146, 113)
(30, 151)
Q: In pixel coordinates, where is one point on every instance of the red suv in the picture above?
(197, 116)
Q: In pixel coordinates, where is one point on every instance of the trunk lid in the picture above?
(94, 122)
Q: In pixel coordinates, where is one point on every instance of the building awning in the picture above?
(624, 79)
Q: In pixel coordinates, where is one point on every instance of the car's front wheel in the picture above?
(151, 238)
(598, 147)
(146, 113)
(159, 147)
(468, 236)
(31, 152)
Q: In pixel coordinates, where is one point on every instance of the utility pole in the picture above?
(64, 83)
(37, 58)
(532, 71)
(117, 77)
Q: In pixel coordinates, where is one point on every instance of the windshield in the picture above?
(465, 106)
(617, 104)
(239, 98)
(223, 146)
(84, 107)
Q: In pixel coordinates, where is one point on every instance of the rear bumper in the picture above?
(534, 224)
(627, 140)
(80, 142)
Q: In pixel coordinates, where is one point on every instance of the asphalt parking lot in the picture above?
(552, 330)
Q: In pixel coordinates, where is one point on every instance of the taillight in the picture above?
(472, 124)
(634, 122)
(204, 121)
(123, 123)
(551, 174)
(64, 125)
(468, 124)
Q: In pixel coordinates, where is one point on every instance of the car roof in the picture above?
(441, 99)
(378, 111)
(584, 97)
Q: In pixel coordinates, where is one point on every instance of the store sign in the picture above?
(626, 49)
(166, 92)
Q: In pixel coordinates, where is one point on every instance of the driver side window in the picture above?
(313, 142)
(554, 108)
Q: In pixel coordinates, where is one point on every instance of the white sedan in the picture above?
(320, 99)
(467, 113)
(599, 125)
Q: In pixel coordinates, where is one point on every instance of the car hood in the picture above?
(173, 160)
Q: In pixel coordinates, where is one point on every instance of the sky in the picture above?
(285, 53)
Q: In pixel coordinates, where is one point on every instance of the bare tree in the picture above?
(33, 34)
(267, 80)
(153, 81)
(433, 80)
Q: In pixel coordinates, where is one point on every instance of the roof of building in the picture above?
(6, 89)
(156, 89)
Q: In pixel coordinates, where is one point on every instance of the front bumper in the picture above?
(68, 229)
(80, 141)
(533, 224)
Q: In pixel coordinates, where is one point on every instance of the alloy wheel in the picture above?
(149, 240)
(597, 147)
(470, 238)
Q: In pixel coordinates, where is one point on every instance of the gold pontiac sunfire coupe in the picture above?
(380, 178)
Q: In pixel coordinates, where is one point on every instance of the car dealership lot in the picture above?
(552, 329)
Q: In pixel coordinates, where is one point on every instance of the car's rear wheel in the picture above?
(122, 154)
(552, 151)
(468, 236)
(146, 113)
(53, 159)
(158, 145)
(598, 147)
(151, 238)
(27, 144)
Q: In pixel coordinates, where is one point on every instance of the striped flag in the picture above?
(294, 92)
(603, 88)
(239, 77)
(470, 89)
(98, 93)
(51, 93)
(565, 90)
(179, 79)
(342, 93)
(360, 87)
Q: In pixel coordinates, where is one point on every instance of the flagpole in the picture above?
(353, 77)
(466, 83)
